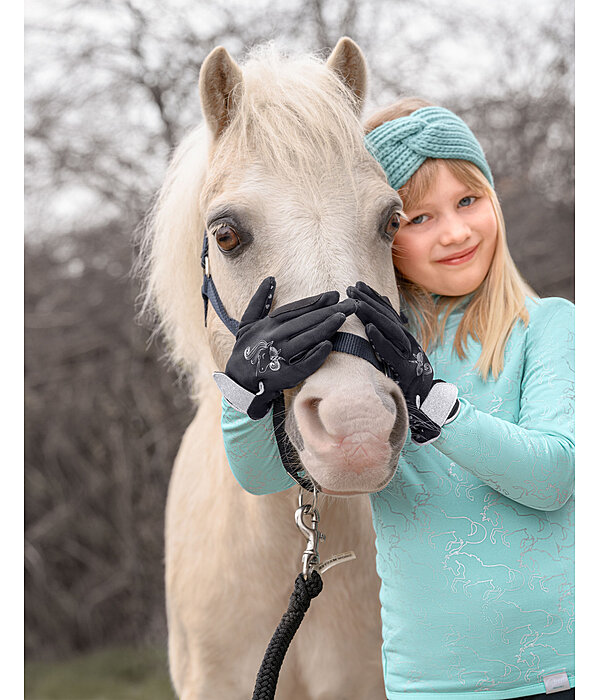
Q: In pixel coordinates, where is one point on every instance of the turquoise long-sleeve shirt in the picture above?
(475, 532)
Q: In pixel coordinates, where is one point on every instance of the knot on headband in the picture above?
(402, 145)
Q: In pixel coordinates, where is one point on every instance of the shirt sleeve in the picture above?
(532, 462)
(252, 451)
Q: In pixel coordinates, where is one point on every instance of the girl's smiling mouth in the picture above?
(459, 258)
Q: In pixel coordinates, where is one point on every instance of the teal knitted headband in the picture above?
(402, 145)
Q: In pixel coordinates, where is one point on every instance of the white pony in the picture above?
(280, 160)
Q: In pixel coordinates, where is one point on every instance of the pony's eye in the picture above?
(393, 225)
(227, 237)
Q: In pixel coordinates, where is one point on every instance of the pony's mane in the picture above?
(291, 113)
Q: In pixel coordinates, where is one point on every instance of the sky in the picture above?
(452, 70)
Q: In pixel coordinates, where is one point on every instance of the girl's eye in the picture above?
(466, 201)
(393, 225)
(419, 219)
(227, 237)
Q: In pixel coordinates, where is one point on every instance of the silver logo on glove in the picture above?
(422, 367)
(265, 356)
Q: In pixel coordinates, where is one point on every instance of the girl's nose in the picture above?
(455, 230)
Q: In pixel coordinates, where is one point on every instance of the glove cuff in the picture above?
(440, 402)
(241, 399)
(453, 413)
(423, 430)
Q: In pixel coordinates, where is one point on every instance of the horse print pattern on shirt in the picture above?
(264, 356)
(478, 527)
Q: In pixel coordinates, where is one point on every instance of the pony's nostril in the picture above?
(327, 422)
(307, 414)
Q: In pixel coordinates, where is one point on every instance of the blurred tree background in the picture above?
(110, 90)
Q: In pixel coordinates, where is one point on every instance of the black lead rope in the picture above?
(289, 456)
(268, 674)
(308, 585)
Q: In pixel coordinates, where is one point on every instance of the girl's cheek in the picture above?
(491, 224)
(406, 259)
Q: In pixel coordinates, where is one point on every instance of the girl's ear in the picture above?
(348, 62)
(220, 75)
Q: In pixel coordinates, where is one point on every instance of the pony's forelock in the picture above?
(294, 115)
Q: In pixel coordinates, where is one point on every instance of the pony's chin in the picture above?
(337, 482)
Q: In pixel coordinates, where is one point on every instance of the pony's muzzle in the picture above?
(351, 435)
(334, 434)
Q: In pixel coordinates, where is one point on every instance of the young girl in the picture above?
(475, 531)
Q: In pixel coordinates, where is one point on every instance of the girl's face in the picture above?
(448, 246)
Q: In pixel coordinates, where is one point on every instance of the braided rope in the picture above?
(268, 674)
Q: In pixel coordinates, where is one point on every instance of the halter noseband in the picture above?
(342, 342)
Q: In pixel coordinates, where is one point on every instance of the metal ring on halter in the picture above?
(313, 506)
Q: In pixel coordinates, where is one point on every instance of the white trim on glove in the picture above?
(236, 395)
(439, 402)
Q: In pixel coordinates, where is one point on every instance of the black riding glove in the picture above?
(277, 351)
(431, 403)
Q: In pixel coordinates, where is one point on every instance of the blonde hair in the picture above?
(495, 306)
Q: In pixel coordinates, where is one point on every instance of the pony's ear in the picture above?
(348, 61)
(219, 76)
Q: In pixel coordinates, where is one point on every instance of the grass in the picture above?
(111, 674)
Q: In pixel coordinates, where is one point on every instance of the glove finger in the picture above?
(311, 362)
(392, 330)
(379, 305)
(261, 301)
(304, 342)
(368, 313)
(310, 319)
(302, 306)
(413, 342)
(388, 352)
(373, 293)
(377, 297)
(362, 291)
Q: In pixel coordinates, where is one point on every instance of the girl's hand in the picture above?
(276, 351)
(431, 403)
